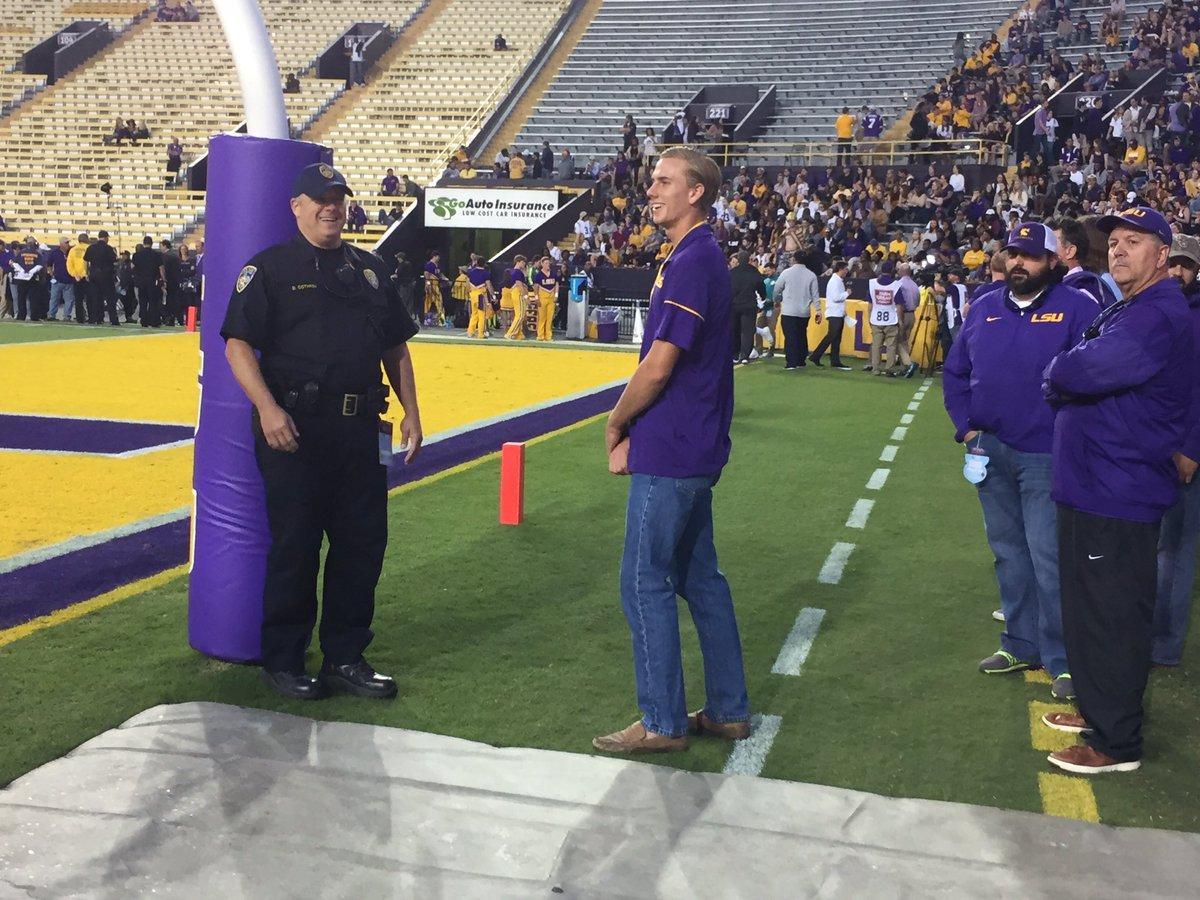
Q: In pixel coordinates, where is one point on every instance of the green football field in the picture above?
(514, 636)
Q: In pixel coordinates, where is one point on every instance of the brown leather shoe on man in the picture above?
(1071, 723)
(699, 723)
(1084, 760)
(636, 739)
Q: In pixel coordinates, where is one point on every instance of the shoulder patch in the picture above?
(245, 277)
(372, 278)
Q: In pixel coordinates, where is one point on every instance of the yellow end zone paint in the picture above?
(85, 607)
(52, 498)
(1067, 797)
(1037, 676)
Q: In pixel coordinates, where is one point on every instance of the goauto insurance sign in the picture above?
(484, 208)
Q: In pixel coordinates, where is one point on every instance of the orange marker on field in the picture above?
(191, 318)
(512, 484)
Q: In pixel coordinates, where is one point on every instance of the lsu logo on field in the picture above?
(1047, 317)
(245, 277)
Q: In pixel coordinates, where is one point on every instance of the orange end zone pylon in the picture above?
(191, 318)
(512, 484)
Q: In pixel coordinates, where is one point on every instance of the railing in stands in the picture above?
(861, 152)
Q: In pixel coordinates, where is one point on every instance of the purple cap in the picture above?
(1143, 218)
(888, 267)
(1033, 238)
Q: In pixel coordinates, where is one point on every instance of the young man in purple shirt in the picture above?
(992, 383)
(670, 433)
(1123, 395)
(62, 285)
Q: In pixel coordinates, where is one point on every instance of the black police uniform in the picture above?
(322, 320)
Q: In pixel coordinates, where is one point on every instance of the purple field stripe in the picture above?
(45, 587)
(472, 444)
(85, 435)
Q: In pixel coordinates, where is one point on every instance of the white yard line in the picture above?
(906, 419)
(835, 563)
(749, 755)
(889, 453)
(799, 643)
(878, 479)
(858, 515)
(898, 433)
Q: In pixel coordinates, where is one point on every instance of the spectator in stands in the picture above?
(411, 188)
(390, 185)
(516, 165)
(356, 217)
(566, 166)
(958, 50)
(844, 126)
(119, 133)
(174, 156)
(291, 84)
(62, 285)
(546, 156)
(499, 43)
(358, 64)
(629, 136)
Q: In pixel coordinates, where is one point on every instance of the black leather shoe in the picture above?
(293, 686)
(358, 679)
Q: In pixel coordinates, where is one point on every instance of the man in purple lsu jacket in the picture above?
(992, 383)
(1124, 395)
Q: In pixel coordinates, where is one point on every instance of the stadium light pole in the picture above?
(246, 210)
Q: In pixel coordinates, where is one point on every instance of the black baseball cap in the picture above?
(315, 180)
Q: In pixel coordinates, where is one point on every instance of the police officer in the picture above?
(323, 315)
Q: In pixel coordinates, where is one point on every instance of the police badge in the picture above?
(372, 278)
(245, 277)
(326, 171)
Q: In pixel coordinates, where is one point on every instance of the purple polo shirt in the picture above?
(685, 432)
(478, 276)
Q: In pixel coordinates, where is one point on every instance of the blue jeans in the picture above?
(1022, 529)
(669, 551)
(62, 294)
(1176, 574)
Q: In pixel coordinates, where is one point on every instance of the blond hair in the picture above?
(701, 170)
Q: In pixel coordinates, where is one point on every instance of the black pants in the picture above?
(172, 312)
(844, 146)
(743, 332)
(149, 303)
(832, 341)
(795, 340)
(332, 485)
(102, 295)
(83, 290)
(129, 302)
(25, 299)
(1108, 570)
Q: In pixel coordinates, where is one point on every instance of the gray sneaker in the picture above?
(1061, 688)
(1002, 662)
(998, 615)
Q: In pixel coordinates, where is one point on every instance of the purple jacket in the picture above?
(992, 379)
(1191, 438)
(1091, 283)
(1124, 398)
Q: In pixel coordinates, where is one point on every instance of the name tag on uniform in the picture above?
(385, 442)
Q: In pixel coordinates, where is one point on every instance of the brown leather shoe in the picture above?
(1083, 760)
(699, 723)
(1072, 723)
(636, 739)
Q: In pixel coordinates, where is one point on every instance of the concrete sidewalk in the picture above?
(203, 799)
